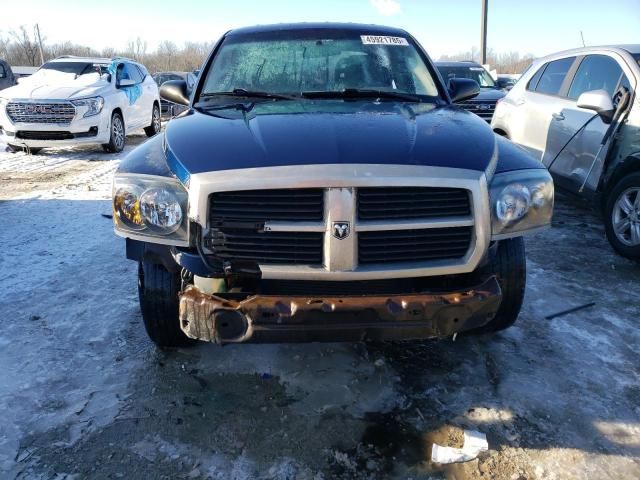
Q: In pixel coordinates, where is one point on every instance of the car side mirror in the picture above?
(126, 82)
(463, 89)
(600, 102)
(175, 91)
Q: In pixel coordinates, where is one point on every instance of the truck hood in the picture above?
(491, 94)
(56, 86)
(327, 132)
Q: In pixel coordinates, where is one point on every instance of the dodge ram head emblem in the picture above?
(341, 230)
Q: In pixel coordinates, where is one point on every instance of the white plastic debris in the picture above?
(474, 443)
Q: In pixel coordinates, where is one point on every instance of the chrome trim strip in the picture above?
(339, 180)
(294, 226)
(150, 239)
(378, 225)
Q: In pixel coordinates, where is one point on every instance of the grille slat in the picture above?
(43, 113)
(268, 205)
(413, 245)
(394, 203)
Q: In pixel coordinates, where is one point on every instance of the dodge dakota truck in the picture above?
(323, 186)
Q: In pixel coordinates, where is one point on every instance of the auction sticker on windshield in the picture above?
(378, 40)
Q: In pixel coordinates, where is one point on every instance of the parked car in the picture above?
(7, 79)
(578, 112)
(78, 100)
(341, 197)
(168, 108)
(484, 103)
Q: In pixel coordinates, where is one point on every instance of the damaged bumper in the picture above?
(276, 318)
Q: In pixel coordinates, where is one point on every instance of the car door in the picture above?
(133, 111)
(539, 103)
(149, 95)
(571, 163)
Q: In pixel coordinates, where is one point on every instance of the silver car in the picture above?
(578, 112)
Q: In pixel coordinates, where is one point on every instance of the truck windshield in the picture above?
(79, 68)
(479, 74)
(319, 63)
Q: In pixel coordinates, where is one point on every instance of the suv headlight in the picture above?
(152, 209)
(94, 105)
(520, 200)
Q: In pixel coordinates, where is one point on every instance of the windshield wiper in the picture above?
(363, 93)
(241, 92)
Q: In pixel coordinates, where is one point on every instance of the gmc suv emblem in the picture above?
(37, 108)
(341, 230)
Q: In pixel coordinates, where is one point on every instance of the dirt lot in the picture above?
(84, 394)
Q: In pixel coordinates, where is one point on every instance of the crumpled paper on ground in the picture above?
(474, 443)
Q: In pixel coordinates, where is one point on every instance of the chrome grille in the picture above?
(483, 108)
(49, 113)
(387, 225)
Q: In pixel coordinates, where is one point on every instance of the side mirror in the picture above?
(126, 82)
(600, 102)
(175, 91)
(463, 89)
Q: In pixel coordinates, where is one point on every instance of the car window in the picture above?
(596, 72)
(320, 62)
(128, 71)
(3, 72)
(554, 75)
(478, 74)
(533, 83)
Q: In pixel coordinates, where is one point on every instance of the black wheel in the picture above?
(158, 293)
(622, 216)
(510, 267)
(155, 126)
(17, 148)
(116, 134)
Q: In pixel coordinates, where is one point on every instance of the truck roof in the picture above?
(352, 27)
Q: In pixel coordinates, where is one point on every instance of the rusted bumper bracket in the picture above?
(281, 318)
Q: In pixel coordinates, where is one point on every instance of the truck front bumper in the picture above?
(270, 318)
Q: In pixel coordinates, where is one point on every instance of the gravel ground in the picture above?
(84, 394)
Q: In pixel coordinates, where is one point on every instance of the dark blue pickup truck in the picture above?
(322, 186)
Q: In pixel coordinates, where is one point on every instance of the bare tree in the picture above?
(26, 45)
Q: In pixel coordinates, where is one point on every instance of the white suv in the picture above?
(579, 113)
(76, 100)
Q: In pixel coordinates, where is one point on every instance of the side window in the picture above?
(596, 72)
(553, 77)
(533, 83)
(3, 72)
(129, 72)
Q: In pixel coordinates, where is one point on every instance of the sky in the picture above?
(443, 27)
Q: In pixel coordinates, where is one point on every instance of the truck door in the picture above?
(580, 132)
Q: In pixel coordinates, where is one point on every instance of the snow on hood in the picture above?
(52, 84)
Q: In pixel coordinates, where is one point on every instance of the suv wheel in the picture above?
(622, 216)
(510, 267)
(155, 126)
(117, 134)
(158, 293)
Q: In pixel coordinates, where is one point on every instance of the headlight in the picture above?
(520, 200)
(94, 105)
(151, 209)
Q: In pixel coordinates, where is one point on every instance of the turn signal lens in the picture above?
(126, 206)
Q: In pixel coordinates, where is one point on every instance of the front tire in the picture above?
(156, 124)
(509, 264)
(622, 216)
(116, 134)
(158, 293)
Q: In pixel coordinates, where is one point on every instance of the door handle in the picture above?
(558, 116)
